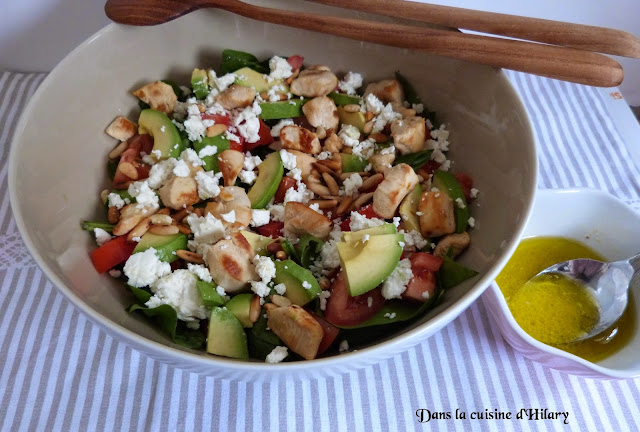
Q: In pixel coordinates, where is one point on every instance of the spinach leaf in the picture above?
(308, 249)
(260, 340)
(410, 93)
(452, 273)
(290, 250)
(414, 160)
(233, 60)
(166, 319)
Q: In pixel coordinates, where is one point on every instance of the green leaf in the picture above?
(260, 340)
(308, 249)
(342, 99)
(414, 160)
(209, 295)
(90, 226)
(142, 295)
(410, 94)
(112, 166)
(166, 319)
(176, 88)
(452, 273)
(233, 60)
(290, 250)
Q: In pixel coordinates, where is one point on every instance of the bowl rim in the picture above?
(378, 351)
(513, 325)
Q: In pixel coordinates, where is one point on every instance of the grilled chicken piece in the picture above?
(438, 217)
(397, 183)
(122, 128)
(297, 328)
(231, 198)
(299, 220)
(130, 216)
(304, 162)
(454, 242)
(179, 192)
(321, 111)
(313, 82)
(230, 263)
(409, 134)
(388, 91)
(236, 96)
(299, 138)
(382, 162)
(333, 143)
(160, 96)
(230, 163)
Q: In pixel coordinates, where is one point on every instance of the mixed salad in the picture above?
(274, 211)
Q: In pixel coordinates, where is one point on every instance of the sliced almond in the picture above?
(372, 181)
(140, 229)
(255, 309)
(351, 108)
(164, 229)
(345, 205)
(161, 219)
(189, 256)
(331, 184)
(216, 129)
(362, 200)
(129, 170)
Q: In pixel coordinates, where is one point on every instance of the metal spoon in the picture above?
(608, 283)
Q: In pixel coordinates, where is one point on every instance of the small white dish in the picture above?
(603, 223)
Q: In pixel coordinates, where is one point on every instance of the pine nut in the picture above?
(216, 129)
(181, 214)
(184, 229)
(255, 309)
(163, 211)
(362, 200)
(318, 189)
(368, 116)
(161, 219)
(189, 256)
(104, 196)
(292, 77)
(281, 255)
(113, 215)
(368, 127)
(334, 165)
(281, 301)
(118, 150)
(347, 150)
(371, 182)
(379, 137)
(325, 203)
(331, 184)
(140, 229)
(269, 306)
(129, 170)
(202, 108)
(199, 212)
(164, 229)
(322, 168)
(344, 205)
(351, 108)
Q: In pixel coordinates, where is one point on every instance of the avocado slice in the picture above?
(226, 335)
(283, 109)
(353, 163)
(294, 277)
(164, 245)
(447, 182)
(211, 162)
(342, 99)
(209, 294)
(270, 173)
(367, 264)
(165, 135)
(408, 209)
(240, 306)
(356, 119)
(386, 228)
(199, 83)
(246, 77)
(258, 243)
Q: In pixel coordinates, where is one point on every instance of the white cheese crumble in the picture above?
(350, 82)
(101, 236)
(116, 200)
(144, 195)
(247, 177)
(260, 288)
(259, 217)
(277, 212)
(251, 162)
(161, 172)
(280, 288)
(372, 103)
(144, 268)
(352, 184)
(349, 135)
(323, 296)
(418, 108)
(396, 284)
(306, 285)
(280, 68)
(229, 217)
(247, 123)
(365, 238)
(181, 169)
(208, 184)
(278, 354)
(179, 291)
(473, 193)
(460, 203)
(414, 238)
(191, 157)
(390, 315)
(344, 346)
(288, 160)
(472, 222)
(265, 268)
(328, 258)
(298, 194)
(201, 271)
(205, 229)
(275, 131)
(209, 150)
(359, 222)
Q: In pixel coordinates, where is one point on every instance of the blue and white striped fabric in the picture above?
(59, 372)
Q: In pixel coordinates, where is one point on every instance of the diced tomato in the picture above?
(217, 118)
(466, 182)
(330, 333)
(273, 229)
(295, 61)
(133, 154)
(285, 184)
(423, 265)
(114, 252)
(430, 166)
(366, 211)
(344, 310)
(265, 137)
(238, 146)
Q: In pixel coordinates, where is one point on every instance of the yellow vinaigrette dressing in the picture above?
(555, 310)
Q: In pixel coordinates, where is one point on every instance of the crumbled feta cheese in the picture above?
(426, 295)
(396, 221)
(259, 217)
(280, 288)
(191, 157)
(265, 268)
(386, 115)
(316, 208)
(473, 193)
(365, 238)
(260, 288)
(201, 271)
(247, 177)
(288, 160)
(324, 155)
(179, 290)
(359, 222)
(278, 354)
(350, 83)
(280, 68)
(369, 301)
(306, 285)
(414, 238)
(352, 184)
(344, 346)
(161, 172)
(247, 123)
(208, 184)
(251, 162)
(460, 203)
(396, 284)
(101, 236)
(115, 273)
(472, 222)
(295, 173)
(328, 258)
(446, 165)
(349, 135)
(222, 292)
(277, 212)
(144, 195)
(144, 268)
(116, 200)
(136, 239)
(390, 315)
(181, 169)
(196, 127)
(323, 296)
(209, 150)
(373, 104)
(222, 83)
(275, 131)
(205, 229)
(298, 194)
(229, 217)
(418, 108)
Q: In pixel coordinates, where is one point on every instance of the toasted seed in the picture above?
(368, 116)
(379, 137)
(189, 256)
(362, 200)
(372, 181)
(325, 203)
(161, 219)
(202, 108)
(281, 255)
(254, 309)
(324, 283)
(129, 170)
(139, 230)
(347, 150)
(183, 213)
(323, 168)
(274, 246)
(318, 189)
(351, 108)
(281, 301)
(368, 126)
(321, 132)
(113, 215)
(104, 196)
(164, 211)
(334, 165)
(199, 212)
(216, 129)
(164, 229)
(331, 184)
(118, 150)
(184, 229)
(344, 206)
(292, 77)
(269, 306)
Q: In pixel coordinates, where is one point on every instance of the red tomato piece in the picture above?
(295, 61)
(217, 118)
(423, 265)
(466, 182)
(273, 229)
(330, 333)
(366, 211)
(285, 184)
(114, 252)
(265, 137)
(344, 310)
(238, 146)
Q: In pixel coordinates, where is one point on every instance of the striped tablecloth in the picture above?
(59, 372)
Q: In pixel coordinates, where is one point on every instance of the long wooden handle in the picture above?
(585, 37)
(566, 64)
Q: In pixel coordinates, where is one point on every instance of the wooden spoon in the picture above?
(562, 63)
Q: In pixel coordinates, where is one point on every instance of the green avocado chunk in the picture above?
(302, 287)
(386, 228)
(283, 109)
(166, 138)
(164, 245)
(257, 242)
(447, 182)
(240, 306)
(211, 162)
(367, 264)
(270, 173)
(246, 77)
(209, 294)
(342, 99)
(356, 119)
(353, 163)
(226, 335)
(199, 83)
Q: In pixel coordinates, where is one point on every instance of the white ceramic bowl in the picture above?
(59, 153)
(609, 227)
